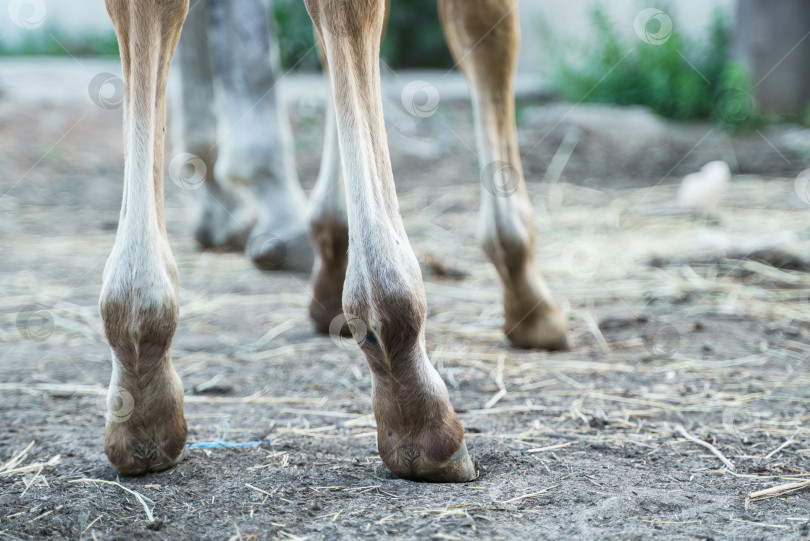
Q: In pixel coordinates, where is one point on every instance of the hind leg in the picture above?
(329, 223)
(228, 211)
(483, 36)
(255, 138)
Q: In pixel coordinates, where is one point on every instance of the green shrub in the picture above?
(414, 38)
(679, 78)
(51, 41)
(295, 35)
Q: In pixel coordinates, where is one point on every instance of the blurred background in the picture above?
(756, 33)
(736, 63)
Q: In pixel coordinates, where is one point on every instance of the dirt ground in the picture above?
(579, 444)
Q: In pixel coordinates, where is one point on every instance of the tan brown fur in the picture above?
(419, 435)
(139, 304)
(329, 231)
(484, 38)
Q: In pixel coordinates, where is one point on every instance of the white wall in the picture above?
(72, 16)
(570, 20)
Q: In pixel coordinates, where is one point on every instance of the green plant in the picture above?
(295, 35)
(414, 37)
(296, 39)
(675, 76)
(51, 41)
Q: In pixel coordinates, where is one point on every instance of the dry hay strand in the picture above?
(682, 431)
(138, 496)
(62, 389)
(359, 421)
(776, 491)
(531, 495)
(13, 467)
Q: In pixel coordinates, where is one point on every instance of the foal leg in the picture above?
(483, 36)
(328, 224)
(419, 435)
(255, 146)
(228, 211)
(328, 221)
(146, 430)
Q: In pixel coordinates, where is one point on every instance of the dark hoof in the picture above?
(458, 469)
(271, 253)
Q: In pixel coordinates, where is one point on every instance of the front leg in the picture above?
(146, 430)
(328, 223)
(483, 37)
(418, 433)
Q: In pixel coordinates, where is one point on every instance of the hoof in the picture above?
(289, 252)
(327, 301)
(331, 238)
(139, 455)
(429, 451)
(233, 241)
(146, 430)
(459, 469)
(548, 332)
(410, 465)
(324, 314)
(224, 225)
